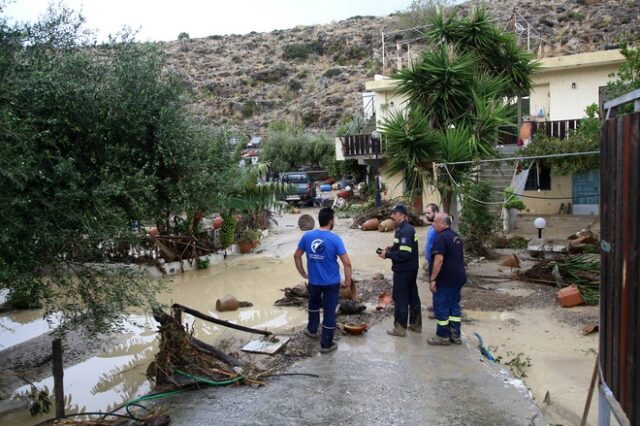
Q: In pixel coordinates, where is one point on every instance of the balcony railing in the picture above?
(362, 146)
(556, 129)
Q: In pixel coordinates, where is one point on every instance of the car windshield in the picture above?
(295, 179)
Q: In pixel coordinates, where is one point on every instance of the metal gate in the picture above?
(586, 190)
(620, 270)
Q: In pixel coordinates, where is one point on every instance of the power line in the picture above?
(530, 157)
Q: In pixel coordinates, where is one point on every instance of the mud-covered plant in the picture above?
(519, 365)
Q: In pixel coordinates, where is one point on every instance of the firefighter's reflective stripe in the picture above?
(443, 323)
(396, 241)
(454, 319)
(406, 248)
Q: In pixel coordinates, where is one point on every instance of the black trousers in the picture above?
(406, 298)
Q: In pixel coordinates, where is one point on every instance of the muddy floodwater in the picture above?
(118, 375)
(561, 357)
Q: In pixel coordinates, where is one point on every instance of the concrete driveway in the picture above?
(373, 379)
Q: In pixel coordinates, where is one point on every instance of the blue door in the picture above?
(586, 190)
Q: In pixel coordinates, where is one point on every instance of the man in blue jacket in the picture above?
(323, 248)
(404, 257)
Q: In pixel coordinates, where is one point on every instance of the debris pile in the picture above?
(583, 270)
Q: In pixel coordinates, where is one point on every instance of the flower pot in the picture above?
(227, 303)
(371, 225)
(245, 247)
(254, 244)
(387, 225)
(569, 296)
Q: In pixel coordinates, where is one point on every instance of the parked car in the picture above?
(303, 189)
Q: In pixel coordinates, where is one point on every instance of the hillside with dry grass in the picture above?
(314, 75)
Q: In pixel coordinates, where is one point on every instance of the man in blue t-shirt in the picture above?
(446, 281)
(323, 248)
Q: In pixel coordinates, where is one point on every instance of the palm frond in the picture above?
(439, 84)
(411, 146)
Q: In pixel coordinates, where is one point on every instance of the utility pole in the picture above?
(383, 62)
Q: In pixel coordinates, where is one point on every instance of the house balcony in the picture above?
(361, 147)
(560, 129)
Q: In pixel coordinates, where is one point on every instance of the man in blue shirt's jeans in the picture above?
(322, 248)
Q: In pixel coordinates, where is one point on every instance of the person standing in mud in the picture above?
(446, 281)
(404, 258)
(322, 249)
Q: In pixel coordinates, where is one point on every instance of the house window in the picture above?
(539, 178)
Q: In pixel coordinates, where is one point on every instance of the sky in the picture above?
(163, 20)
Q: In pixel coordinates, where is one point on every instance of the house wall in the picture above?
(552, 85)
(339, 154)
(387, 101)
(394, 185)
(561, 186)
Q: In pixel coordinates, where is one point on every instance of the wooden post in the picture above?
(177, 314)
(58, 376)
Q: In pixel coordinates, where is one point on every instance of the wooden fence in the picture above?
(620, 270)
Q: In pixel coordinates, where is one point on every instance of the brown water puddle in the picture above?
(562, 358)
(118, 375)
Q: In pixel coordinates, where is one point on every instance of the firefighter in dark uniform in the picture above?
(404, 257)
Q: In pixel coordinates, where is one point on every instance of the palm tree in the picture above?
(459, 98)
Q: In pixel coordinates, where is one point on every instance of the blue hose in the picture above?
(483, 350)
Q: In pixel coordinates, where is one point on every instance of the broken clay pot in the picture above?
(569, 296)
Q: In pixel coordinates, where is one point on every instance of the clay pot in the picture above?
(227, 303)
(306, 222)
(383, 300)
(355, 328)
(348, 293)
(217, 222)
(245, 247)
(569, 296)
(371, 225)
(387, 225)
(254, 244)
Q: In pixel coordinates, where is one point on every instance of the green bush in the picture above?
(202, 263)
(183, 36)
(332, 72)
(477, 223)
(511, 200)
(227, 230)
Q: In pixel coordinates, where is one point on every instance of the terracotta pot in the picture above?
(569, 296)
(217, 222)
(348, 293)
(245, 247)
(254, 244)
(371, 225)
(355, 328)
(227, 303)
(387, 225)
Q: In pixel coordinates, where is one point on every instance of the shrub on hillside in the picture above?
(332, 72)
